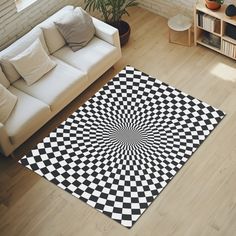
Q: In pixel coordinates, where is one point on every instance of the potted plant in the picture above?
(112, 12)
(214, 4)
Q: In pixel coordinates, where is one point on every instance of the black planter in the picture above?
(124, 31)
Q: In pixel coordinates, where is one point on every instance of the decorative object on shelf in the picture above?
(211, 39)
(180, 23)
(214, 4)
(230, 10)
(230, 30)
(112, 12)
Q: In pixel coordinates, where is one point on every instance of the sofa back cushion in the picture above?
(17, 47)
(52, 36)
(3, 79)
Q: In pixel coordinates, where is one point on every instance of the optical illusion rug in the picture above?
(120, 149)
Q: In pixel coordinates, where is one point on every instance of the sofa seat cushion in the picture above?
(28, 115)
(94, 59)
(58, 87)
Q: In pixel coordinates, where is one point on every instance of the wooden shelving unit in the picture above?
(210, 29)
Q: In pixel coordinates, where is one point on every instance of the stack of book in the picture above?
(208, 22)
(229, 49)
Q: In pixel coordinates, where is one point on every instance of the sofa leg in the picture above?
(13, 156)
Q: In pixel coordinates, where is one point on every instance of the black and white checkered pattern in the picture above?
(120, 149)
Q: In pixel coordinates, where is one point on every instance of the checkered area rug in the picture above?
(120, 149)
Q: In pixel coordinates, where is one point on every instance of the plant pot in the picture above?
(124, 31)
(212, 5)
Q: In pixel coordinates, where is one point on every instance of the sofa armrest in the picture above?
(5, 144)
(106, 32)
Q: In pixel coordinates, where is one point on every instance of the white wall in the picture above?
(14, 24)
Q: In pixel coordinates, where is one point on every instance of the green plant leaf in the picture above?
(111, 10)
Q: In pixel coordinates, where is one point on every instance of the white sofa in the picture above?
(74, 72)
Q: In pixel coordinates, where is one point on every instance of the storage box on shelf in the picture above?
(215, 30)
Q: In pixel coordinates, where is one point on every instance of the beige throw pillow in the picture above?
(77, 28)
(7, 103)
(3, 79)
(53, 37)
(33, 63)
(15, 49)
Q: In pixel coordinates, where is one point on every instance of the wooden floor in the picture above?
(199, 201)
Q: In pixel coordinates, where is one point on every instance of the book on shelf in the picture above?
(229, 49)
(200, 19)
(208, 22)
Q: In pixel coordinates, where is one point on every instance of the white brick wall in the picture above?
(168, 8)
(14, 24)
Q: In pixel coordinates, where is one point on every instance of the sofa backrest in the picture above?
(16, 48)
(49, 36)
(52, 36)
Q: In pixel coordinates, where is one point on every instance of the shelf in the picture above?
(203, 34)
(214, 49)
(208, 46)
(209, 31)
(229, 39)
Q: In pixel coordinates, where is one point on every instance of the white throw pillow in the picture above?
(7, 103)
(33, 63)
